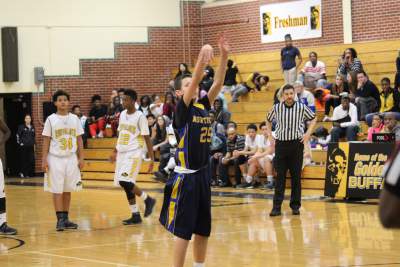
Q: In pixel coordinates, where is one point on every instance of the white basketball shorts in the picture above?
(63, 174)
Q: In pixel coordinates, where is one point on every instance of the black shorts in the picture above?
(187, 204)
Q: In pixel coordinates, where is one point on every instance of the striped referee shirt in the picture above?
(290, 120)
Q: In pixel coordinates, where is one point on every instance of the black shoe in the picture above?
(149, 203)
(269, 185)
(70, 225)
(275, 212)
(244, 185)
(257, 185)
(160, 177)
(295, 211)
(7, 230)
(135, 219)
(60, 225)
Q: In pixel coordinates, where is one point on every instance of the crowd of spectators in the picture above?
(345, 101)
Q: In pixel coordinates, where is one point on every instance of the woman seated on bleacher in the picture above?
(262, 159)
(387, 101)
(253, 82)
(377, 126)
(339, 86)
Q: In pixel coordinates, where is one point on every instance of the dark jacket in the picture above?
(26, 136)
(369, 89)
(223, 116)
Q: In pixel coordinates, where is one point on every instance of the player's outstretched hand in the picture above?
(151, 165)
(206, 54)
(81, 164)
(223, 44)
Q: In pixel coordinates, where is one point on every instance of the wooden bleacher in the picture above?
(98, 167)
(378, 59)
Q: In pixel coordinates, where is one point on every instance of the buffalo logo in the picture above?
(336, 167)
(266, 23)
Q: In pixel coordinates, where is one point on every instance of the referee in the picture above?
(290, 117)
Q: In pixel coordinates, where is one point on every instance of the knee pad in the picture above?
(2, 205)
(128, 187)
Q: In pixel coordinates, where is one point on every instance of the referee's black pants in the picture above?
(288, 156)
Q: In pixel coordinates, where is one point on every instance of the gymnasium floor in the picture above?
(326, 234)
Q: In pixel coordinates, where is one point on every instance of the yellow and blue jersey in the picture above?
(193, 125)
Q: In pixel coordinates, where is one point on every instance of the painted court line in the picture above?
(82, 259)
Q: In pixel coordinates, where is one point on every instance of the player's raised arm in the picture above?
(221, 71)
(205, 56)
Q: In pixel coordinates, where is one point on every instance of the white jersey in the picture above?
(263, 142)
(63, 131)
(131, 129)
(252, 143)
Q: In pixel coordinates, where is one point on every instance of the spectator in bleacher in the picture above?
(230, 77)
(390, 125)
(76, 110)
(288, 60)
(97, 117)
(121, 92)
(387, 101)
(254, 81)
(313, 74)
(151, 120)
(183, 69)
(159, 133)
(231, 124)
(345, 120)
(368, 99)
(169, 105)
(397, 77)
(113, 112)
(217, 148)
(352, 83)
(250, 148)
(156, 107)
(376, 127)
(322, 96)
(215, 125)
(145, 102)
(114, 93)
(221, 115)
(349, 62)
(235, 143)
(262, 159)
(304, 96)
(207, 81)
(336, 88)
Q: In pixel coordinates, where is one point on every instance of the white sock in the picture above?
(249, 179)
(196, 264)
(143, 195)
(270, 178)
(3, 218)
(134, 208)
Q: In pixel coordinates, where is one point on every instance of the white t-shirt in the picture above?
(319, 68)
(63, 131)
(131, 128)
(252, 144)
(263, 142)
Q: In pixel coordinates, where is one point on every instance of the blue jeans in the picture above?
(350, 133)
